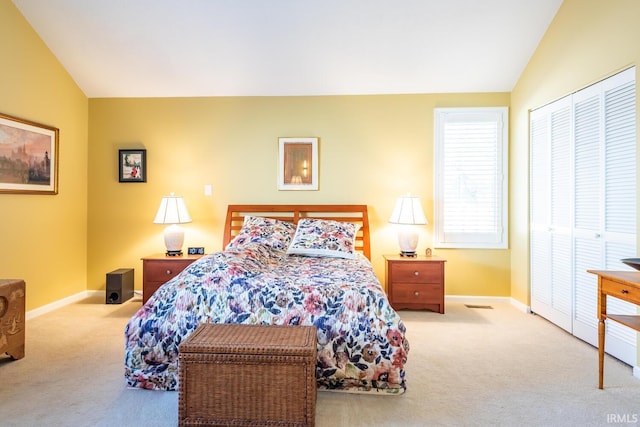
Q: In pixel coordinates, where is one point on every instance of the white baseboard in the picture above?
(636, 371)
(60, 303)
(473, 299)
(520, 306)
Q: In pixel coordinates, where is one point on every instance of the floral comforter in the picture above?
(361, 339)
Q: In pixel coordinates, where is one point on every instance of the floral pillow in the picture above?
(321, 237)
(273, 233)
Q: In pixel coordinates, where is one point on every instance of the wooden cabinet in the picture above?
(415, 283)
(158, 269)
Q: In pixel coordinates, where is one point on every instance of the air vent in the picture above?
(478, 306)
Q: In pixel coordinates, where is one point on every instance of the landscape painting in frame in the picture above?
(28, 157)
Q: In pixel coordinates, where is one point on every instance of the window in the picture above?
(471, 178)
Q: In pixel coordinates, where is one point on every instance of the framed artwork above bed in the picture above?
(298, 163)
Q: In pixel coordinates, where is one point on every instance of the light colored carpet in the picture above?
(468, 367)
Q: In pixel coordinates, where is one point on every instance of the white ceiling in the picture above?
(167, 48)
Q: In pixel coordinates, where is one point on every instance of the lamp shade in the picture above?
(172, 210)
(408, 210)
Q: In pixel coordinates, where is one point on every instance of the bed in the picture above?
(285, 265)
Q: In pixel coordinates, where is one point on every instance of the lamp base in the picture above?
(408, 254)
(408, 240)
(173, 239)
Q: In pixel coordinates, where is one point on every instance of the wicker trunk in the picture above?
(248, 375)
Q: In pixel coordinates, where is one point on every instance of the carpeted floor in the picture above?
(473, 366)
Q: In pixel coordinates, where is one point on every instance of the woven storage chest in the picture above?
(248, 375)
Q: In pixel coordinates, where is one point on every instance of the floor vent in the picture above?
(479, 306)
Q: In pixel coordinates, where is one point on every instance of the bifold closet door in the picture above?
(550, 213)
(605, 203)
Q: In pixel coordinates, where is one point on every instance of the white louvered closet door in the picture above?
(551, 281)
(605, 203)
(583, 216)
(588, 210)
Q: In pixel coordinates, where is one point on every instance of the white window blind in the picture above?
(471, 177)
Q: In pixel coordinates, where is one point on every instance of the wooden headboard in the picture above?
(350, 213)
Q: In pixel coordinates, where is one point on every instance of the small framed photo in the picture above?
(28, 157)
(298, 164)
(132, 165)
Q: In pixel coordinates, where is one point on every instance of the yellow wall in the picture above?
(587, 41)
(372, 149)
(43, 238)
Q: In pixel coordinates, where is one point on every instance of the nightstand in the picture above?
(415, 282)
(158, 269)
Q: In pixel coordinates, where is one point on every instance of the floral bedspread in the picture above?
(361, 339)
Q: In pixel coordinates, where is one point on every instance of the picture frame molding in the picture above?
(12, 131)
(290, 148)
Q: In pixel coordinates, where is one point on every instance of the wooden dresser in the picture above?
(12, 317)
(158, 269)
(415, 282)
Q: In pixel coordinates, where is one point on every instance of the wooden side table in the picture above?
(158, 269)
(415, 282)
(624, 285)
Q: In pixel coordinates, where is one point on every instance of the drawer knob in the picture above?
(624, 291)
(416, 293)
(416, 273)
(168, 272)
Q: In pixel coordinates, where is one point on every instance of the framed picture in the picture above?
(298, 164)
(28, 157)
(132, 165)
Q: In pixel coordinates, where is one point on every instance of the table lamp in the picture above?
(407, 214)
(173, 211)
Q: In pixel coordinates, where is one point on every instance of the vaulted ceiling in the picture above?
(169, 48)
